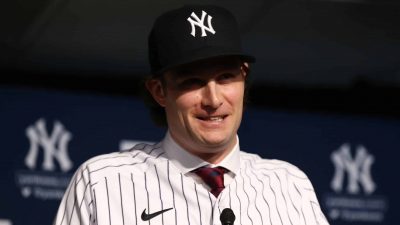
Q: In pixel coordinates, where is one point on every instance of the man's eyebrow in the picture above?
(182, 73)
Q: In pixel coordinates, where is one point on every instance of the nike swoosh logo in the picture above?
(146, 216)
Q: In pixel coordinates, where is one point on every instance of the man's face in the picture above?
(203, 102)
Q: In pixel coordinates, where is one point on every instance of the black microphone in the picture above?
(227, 217)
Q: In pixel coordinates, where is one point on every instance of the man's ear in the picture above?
(156, 89)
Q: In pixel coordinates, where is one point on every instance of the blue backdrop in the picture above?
(46, 134)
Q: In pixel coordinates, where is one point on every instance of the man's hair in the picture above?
(157, 112)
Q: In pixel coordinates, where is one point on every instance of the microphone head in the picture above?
(227, 217)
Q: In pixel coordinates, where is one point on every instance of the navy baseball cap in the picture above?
(192, 33)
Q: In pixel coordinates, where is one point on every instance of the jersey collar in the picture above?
(186, 162)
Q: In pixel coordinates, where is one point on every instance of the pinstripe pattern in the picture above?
(114, 189)
(134, 198)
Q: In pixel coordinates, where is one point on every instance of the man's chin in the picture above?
(213, 142)
(214, 151)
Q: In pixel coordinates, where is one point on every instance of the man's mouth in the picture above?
(212, 118)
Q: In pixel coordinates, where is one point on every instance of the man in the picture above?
(198, 170)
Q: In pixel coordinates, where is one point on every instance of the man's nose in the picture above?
(212, 97)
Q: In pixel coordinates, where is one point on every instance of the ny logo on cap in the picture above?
(200, 23)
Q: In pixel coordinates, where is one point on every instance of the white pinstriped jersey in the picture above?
(115, 189)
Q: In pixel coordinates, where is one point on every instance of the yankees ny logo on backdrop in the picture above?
(200, 23)
(358, 170)
(54, 146)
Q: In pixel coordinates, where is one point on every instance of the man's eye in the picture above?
(227, 77)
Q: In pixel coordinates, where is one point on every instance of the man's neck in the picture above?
(212, 155)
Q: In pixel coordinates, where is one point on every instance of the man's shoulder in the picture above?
(140, 155)
(267, 167)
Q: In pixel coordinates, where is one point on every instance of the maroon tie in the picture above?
(213, 177)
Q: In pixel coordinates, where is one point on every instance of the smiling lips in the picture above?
(212, 118)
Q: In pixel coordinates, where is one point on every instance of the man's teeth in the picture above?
(215, 118)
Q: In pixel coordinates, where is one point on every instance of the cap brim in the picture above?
(203, 55)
